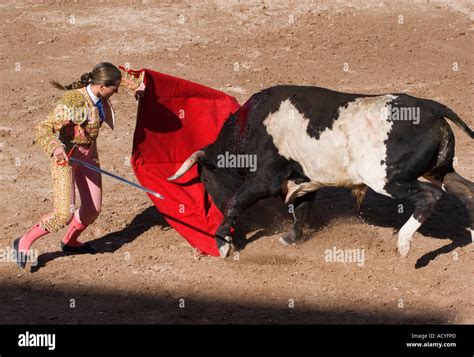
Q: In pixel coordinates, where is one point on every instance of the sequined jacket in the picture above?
(75, 119)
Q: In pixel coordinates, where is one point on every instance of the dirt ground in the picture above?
(145, 272)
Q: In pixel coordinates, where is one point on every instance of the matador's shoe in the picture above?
(86, 248)
(69, 244)
(19, 256)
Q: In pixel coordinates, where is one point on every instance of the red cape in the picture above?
(175, 118)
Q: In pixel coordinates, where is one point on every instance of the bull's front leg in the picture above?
(301, 209)
(245, 197)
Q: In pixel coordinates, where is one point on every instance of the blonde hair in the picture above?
(103, 73)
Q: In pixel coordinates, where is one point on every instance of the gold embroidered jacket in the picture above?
(75, 119)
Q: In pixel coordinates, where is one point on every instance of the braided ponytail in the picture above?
(103, 73)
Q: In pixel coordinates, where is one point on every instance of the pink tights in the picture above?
(65, 178)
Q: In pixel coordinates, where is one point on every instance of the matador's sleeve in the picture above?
(70, 108)
(131, 79)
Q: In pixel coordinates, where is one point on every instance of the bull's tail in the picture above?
(445, 112)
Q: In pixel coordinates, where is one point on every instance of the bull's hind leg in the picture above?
(424, 196)
(301, 209)
(464, 190)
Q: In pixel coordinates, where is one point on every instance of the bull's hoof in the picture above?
(225, 247)
(287, 239)
(403, 247)
(404, 242)
(20, 258)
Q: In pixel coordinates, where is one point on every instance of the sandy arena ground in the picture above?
(146, 272)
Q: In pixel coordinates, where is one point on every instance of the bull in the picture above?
(305, 138)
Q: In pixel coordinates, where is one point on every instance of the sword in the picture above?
(95, 168)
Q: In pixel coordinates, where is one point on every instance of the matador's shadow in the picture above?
(111, 242)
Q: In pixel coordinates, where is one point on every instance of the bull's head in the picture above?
(221, 183)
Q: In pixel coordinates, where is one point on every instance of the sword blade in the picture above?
(102, 171)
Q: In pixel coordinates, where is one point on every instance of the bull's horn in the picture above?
(190, 161)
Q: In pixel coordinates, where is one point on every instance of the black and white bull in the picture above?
(305, 138)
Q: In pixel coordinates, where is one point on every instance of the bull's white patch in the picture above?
(350, 153)
(28, 339)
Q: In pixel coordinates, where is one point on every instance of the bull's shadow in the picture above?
(113, 241)
(270, 216)
(448, 221)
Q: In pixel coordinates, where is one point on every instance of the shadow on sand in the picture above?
(448, 222)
